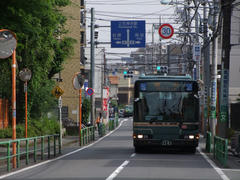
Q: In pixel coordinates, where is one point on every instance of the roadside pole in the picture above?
(8, 46)
(80, 116)
(206, 67)
(60, 118)
(92, 76)
(226, 48)
(14, 66)
(213, 118)
(25, 76)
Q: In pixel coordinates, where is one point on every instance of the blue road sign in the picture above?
(85, 88)
(128, 34)
(90, 91)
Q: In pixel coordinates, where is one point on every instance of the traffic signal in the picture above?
(128, 74)
(162, 69)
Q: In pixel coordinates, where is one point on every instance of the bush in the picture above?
(86, 108)
(36, 127)
(6, 133)
(72, 131)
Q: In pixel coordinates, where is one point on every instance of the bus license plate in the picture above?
(166, 143)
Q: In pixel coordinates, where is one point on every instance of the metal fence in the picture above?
(209, 142)
(26, 147)
(113, 123)
(220, 150)
(87, 135)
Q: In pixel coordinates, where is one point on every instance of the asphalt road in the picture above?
(113, 157)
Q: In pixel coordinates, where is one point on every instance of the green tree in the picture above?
(86, 108)
(37, 25)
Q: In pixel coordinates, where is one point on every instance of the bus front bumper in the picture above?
(166, 143)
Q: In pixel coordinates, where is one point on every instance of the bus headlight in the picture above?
(139, 136)
(191, 136)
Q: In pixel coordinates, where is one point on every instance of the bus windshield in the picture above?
(167, 106)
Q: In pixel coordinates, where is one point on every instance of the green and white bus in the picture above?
(166, 112)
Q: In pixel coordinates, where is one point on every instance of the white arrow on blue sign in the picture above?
(128, 34)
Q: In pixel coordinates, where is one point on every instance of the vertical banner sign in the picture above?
(213, 99)
(196, 52)
(105, 98)
(224, 96)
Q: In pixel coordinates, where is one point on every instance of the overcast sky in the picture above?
(108, 10)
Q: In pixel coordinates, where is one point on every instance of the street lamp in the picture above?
(8, 44)
(25, 75)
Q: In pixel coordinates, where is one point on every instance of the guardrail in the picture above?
(220, 150)
(87, 135)
(113, 123)
(25, 147)
(209, 142)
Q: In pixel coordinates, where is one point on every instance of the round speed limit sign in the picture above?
(166, 31)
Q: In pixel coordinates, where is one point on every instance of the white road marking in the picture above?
(134, 154)
(233, 170)
(118, 170)
(63, 156)
(217, 169)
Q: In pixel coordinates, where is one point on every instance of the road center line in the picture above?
(134, 154)
(118, 170)
(217, 169)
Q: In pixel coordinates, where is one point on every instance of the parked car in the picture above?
(128, 111)
(121, 113)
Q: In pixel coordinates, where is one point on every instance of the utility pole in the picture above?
(226, 6)
(92, 76)
(206, 63)
(102, 79)
(197, 41)
(213, 118)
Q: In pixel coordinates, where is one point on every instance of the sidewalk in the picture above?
(233, 162)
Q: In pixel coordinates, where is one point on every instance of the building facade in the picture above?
(75, 25)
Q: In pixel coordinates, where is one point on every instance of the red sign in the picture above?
(166, 31)
(105, 104)
(105, 98)
(90, 91)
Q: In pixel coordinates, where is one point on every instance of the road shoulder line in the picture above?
(217, 169)
(63, 156)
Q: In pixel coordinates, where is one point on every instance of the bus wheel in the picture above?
(192, 150)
